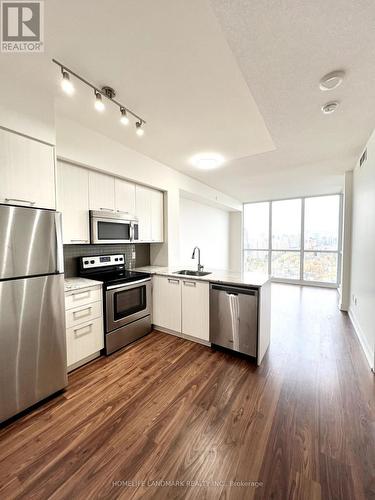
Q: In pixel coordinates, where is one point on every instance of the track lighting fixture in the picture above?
(138, 129)
(66, 84)
(99, 105)
(105, 92)
(124, 117)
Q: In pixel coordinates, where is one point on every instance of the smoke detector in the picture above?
(332, 80)
(330, 107)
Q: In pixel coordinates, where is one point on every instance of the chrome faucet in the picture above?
(200, 267)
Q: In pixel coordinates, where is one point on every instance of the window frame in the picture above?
(301, 251)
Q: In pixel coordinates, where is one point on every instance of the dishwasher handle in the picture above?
(234, 290)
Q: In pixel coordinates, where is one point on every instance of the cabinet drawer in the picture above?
(83, 314)
(83, 340)
(83, 297)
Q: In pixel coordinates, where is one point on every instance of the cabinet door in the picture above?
(143, 212)
(84, 340)
(195, 309)
(27, 171)
(125, 196)
(73, 202)
(101, 191)
(167, 302)
(157, 216)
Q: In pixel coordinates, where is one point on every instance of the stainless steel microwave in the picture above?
(113, 227)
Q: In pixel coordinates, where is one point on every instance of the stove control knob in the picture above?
(92, 261)
(116, 259)
(86, 262)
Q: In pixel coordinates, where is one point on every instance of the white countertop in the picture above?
(228, 277)
(78, 283)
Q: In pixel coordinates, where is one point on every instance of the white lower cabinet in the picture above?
(182, 306)
(84, 325)
(195, 305)
(167, 302)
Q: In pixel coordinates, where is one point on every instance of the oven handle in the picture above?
(125, 285)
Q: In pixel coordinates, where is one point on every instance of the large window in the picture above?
(296, 239)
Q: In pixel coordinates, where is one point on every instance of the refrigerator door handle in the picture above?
(59, 244)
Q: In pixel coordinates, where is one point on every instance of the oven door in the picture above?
(104, 230)
(127, 303)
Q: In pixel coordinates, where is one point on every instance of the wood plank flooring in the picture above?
(168, 418)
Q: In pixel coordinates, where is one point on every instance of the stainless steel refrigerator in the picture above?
(32, 317)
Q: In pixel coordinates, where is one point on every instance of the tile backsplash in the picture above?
(72, 252)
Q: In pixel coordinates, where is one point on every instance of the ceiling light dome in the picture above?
(332, 80)
(207, 161)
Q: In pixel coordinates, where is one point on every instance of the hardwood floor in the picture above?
(301, 426)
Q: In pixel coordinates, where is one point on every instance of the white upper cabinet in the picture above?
(157, 216)
(101, 191)
(27, 171)
(73, 202)
(149, 210)
(125, 196)
(143, 197)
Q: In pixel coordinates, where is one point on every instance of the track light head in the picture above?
(138, 128)
(99, 104)
(66, 84)
(124, 117)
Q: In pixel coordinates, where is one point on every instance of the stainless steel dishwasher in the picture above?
(234, 318)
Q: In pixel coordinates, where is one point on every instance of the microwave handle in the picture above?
(131, 232)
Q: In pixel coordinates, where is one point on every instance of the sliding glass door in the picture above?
(294, 240)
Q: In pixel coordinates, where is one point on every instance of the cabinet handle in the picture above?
(190, 283)
(79, 241)
(77, 315)
(75, 330)
(107, 209)
(80, 295)
(20, 201)
(170, 280)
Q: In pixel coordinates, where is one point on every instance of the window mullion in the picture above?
(270, 239)
(302, 242)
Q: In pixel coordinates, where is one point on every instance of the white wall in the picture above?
(206, 227)
(80, 145)
(362, 297)
(27, 110)
(235, 241)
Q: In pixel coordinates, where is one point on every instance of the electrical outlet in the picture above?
(133, 255)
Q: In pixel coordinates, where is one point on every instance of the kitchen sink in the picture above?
(187, 272)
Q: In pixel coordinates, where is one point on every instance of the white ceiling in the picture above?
(238, 78)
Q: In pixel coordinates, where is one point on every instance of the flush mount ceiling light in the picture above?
(330, 107)
(332, 80)
(207, 161)
(106, 92)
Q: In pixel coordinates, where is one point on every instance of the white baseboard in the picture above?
(362, 339)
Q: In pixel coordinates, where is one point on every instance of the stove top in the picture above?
(115, 277)
(110, 269)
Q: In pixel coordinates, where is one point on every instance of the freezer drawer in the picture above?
(32, 342)
(234, 318)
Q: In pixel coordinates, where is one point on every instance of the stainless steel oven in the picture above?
(128, 313)
(127, 302)
(113, 227)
